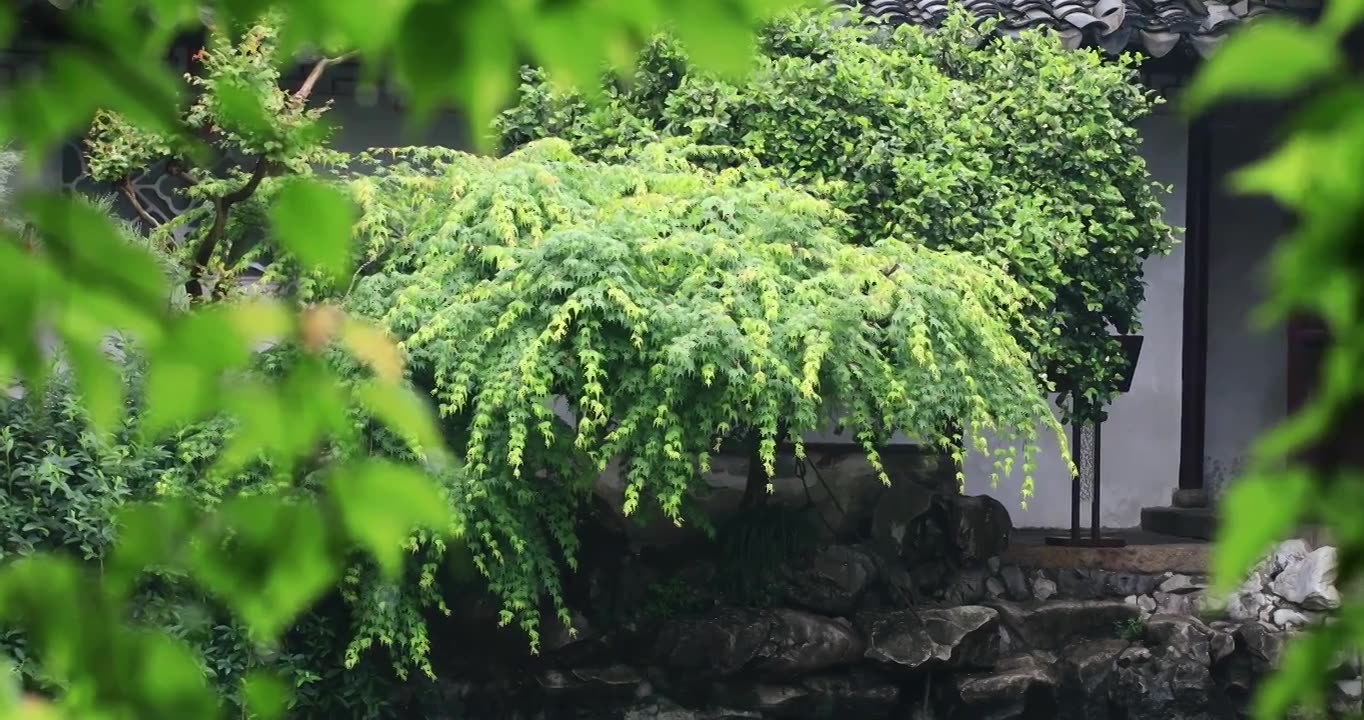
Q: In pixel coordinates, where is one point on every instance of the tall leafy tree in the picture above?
(1016, 150)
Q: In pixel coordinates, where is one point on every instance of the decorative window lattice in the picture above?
(1083, 455)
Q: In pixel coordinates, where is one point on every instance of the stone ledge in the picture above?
(1189, 522)
(1188, 558)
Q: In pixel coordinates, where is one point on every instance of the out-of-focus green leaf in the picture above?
(313, 221)
(84, 643)
(405, 412)
(381, 503)
(266, 696)
(183, 377)
(1299, 680)
(717, 36)
(1256, 511)
(242, 108)
(432, 38)
(285, 421)
(150, 536)
(238, 557)
(100, 383)
(1286, 175)
(1340, 16)
(373, 345)
(1293, 434)
(84, 242)
(1271, 58)
(6, 23)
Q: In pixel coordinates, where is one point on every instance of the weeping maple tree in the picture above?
(566, 313)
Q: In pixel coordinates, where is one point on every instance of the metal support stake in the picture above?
(1095, 537)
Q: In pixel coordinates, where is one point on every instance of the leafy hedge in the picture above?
(1015, 150)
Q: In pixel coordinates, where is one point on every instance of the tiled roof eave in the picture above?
(1152, 27)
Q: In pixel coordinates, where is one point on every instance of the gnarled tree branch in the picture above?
(204, 252)
(127, 187)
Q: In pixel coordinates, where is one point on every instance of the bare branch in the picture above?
(891, 270)
(127, 187)
(306, 89)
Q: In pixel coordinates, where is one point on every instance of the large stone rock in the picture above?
(1052, 625)
(1251, 606)
(595, 684)
(1019, 687)
(1309, 581)
(1124, 584)
(1043, 588)
(1016, 583)
(968, 587)
(663, 709)
(1287, 553)
(1152, 683)
(1181, 603)
(1188, 637)
(844, 489)
(935, 638)
(799, 643)
(777, 643)
(1262, 644)
(909, 521)
(834, 581)
(981, 527)
(1080, 584)
(1087, 671)
(830, 695)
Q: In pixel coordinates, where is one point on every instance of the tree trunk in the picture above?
(755, 489)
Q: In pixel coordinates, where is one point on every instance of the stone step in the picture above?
(1200, 523)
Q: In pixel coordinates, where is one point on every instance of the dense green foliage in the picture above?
(1317, 172)
(66, 485)
(1020, 151)
(263, 559)
(669, 308)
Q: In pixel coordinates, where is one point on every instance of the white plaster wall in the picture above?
(1246, 385)
(1140, 453)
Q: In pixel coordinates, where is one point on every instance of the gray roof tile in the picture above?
(1154, 27)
